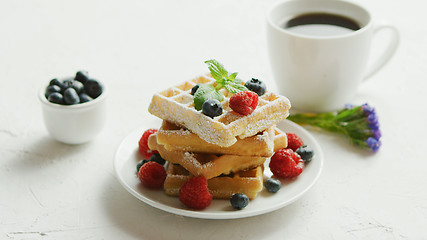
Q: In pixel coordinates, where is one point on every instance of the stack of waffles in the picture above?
(229, 150)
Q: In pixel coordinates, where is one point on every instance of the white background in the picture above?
(50, 190)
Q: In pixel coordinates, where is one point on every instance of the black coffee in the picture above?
(321, 24)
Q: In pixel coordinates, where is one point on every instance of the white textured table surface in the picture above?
(50, 190)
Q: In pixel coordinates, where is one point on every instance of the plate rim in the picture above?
(219, 215)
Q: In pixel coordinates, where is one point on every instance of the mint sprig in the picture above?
(223, 80)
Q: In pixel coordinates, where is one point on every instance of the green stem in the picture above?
(349, 122)
(218, 86)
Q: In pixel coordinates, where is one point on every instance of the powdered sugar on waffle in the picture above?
(176, 105)
(177, 138)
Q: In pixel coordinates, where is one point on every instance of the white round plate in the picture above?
(127, 156)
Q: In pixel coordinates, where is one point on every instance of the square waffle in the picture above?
(264, 144)
(249, 182)
(175, 138)
(176, 105)
(280, 140)
(207, 165)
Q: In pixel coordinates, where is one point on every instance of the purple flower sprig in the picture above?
(359, 123)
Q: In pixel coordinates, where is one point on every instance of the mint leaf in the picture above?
(205, 92)
(217, 69)
(235, 88)
(237, 80)
(230, 82)
(232, 76)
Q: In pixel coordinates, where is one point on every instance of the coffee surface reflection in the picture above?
(321, 24)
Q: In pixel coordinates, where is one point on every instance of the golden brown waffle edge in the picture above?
(175, 138)
(207, 165)
(249, 182)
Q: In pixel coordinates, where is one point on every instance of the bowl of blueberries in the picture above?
(74, 108)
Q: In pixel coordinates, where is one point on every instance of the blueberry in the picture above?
(157, 158)
(84, 98)
(93, 88)
(256, 86)
(212, 108)
(273, 185)
(239, 201)
(56, 82)
(70, 83)
(306, 153)
(82, 76)
(194, 89)
(51, 89)
(140, 163)
(71, 97)
(66, 83)
(78, 86)
(56, 97)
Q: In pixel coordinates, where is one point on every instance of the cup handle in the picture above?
(389, 50)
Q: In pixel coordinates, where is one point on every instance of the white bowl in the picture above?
(74, 124)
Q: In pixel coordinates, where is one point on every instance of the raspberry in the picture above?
(139, 165)
(294, 141)
(195, 193)
(285, 163)
(244, 103)
(143, 144)
(152, 175)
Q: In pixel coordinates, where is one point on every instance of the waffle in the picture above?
(264, 144)
(207, 165)
(175, 138)
(280, 140)
(249, 182)
(176, 105)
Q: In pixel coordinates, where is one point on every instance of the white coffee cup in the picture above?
(323, 73)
